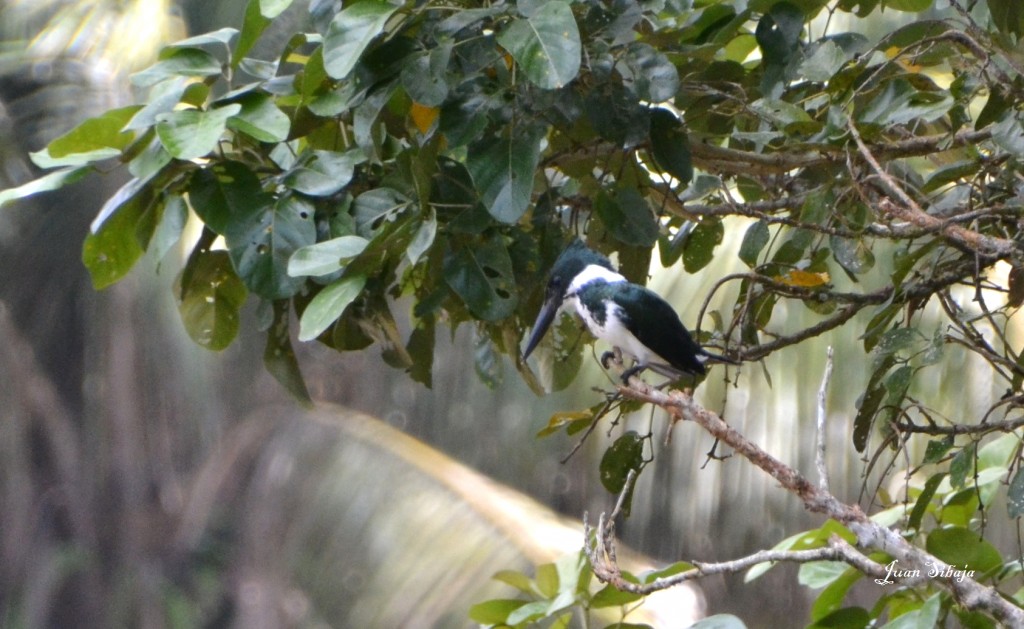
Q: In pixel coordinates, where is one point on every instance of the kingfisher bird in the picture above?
(630, 317)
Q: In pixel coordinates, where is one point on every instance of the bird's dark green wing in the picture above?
(655, 324)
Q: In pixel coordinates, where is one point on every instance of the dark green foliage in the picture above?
(440, 156)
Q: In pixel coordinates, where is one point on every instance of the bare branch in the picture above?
(912, 212)
(819, 458)
(870, 536)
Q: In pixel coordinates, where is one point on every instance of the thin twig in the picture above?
(914, 214)
(819, 458)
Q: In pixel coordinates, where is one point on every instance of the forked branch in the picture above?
(870, 536)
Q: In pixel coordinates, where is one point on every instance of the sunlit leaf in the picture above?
(494, 612)
(324, 258)
(964, 549)
(323, 173)
(179, 62)
(328, 305)
(192, 133)
(260, 118)
(50, 181)
(273, 8)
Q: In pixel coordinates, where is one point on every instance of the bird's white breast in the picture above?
(613, 331)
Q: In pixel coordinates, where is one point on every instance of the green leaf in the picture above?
(913, 6)
(610, 596)
(178, 62)
(210, 296)
(926, 615)
(351, 32)
(700, 246)
(170, 227)
(845, 618)
(273, 8)
(50, 181)
(223, 36)
(424, 78)
(113, 245)
(424, 238)
(260, 119)
(324, 258)
(323, 173)
(528, 612)
(628, 216)
(503, 171)
(494, 612)
(1008, 134)
(262, 247)
(937, 449)
(867, 408)
(831, 598)
(279, 355)
(516, 579)
(1015, 495)
(818, 574)
(823, 61)
(778, 33)
(226, 196)
(962, 465)
(482, 277)
(374, 209)
(654, 79)
(1008, 16)
(754, 241)
(625, 454)
(253, 25)
(924, 500)
(670, 145)
(191, 133)
(719, 621)
(329, 304)
(900, 103)
(546, 45)
(95, 134)
(854, 255)
(963, 548)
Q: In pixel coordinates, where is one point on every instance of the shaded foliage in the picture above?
(443, 153)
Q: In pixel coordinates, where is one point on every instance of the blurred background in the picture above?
(145, 482)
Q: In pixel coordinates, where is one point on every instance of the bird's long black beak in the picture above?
(544, 318)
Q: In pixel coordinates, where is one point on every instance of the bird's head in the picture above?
(574, 261)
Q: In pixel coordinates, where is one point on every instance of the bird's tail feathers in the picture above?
(718, 358)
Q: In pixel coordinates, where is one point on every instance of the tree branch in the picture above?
(914, 214)
(819, 457)
(871, 536)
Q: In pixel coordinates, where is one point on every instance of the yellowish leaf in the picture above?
(423, 117)
(804, 279)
